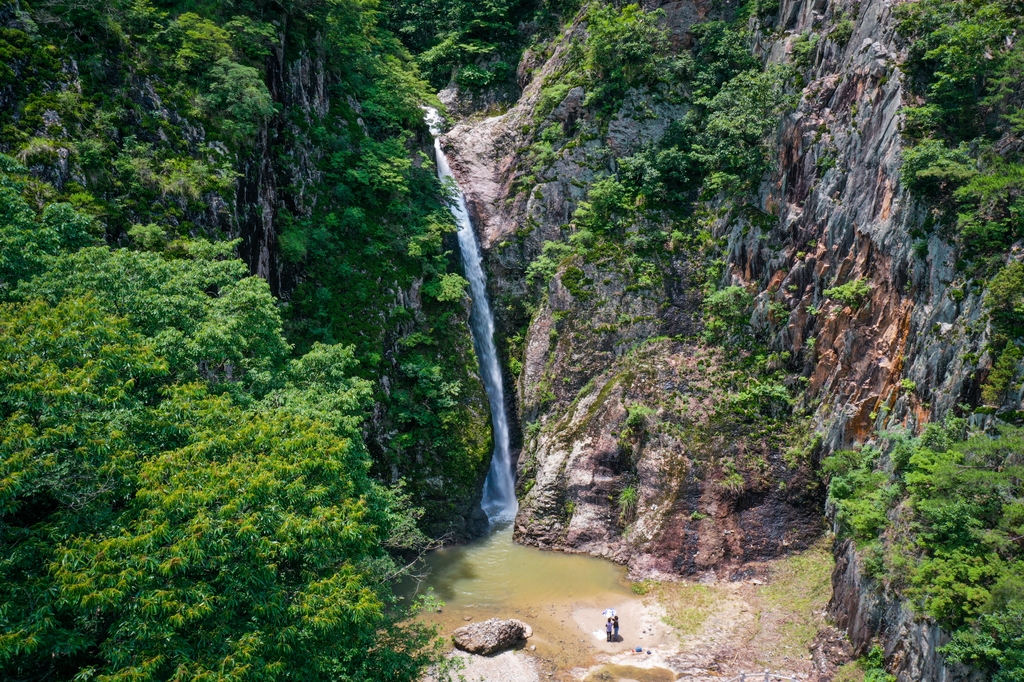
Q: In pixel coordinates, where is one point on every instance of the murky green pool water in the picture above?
(628, 673)
(496, 575)
(560, 595)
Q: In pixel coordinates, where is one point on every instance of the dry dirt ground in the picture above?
(700, 631)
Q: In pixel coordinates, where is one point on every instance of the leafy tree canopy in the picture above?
(156, 531)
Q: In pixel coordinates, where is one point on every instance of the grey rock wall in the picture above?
(589, 358)
(909, 355)
(866, 613)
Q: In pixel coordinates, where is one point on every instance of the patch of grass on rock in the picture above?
(687, 605)
(798, 592)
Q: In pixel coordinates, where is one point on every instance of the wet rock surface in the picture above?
(491, 636)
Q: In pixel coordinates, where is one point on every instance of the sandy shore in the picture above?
(508, 666)
(699, 632)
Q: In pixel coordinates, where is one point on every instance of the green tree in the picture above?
(159, 532)
(29, 240)
(966, 65)
(207, 316)
(624, 48)
(956, 556)
(727, 313)
(239, 92)
(739, 118)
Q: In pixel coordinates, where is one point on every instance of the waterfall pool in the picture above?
(560, 595)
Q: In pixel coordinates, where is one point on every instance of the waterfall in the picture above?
(499, 499)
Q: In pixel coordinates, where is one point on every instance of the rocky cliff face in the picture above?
(867, 614)
(612, 395)
(712, 495)
(843, 215)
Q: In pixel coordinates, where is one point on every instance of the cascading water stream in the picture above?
(499, 499)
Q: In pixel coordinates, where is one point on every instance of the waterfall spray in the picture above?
(499, 499)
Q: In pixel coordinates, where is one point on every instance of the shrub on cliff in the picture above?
(853, 293)
(731, 145)
(1005, 303)
(941, 518)
(624, 48)
(966, 62)
(727, 313)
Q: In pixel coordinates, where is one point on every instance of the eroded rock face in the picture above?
(834, 211)
(491, 636)
(586, 361)
(688, 518)
(866, 612)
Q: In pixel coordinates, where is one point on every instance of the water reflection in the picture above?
(494, 574)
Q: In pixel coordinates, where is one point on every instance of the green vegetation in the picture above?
(852, 294)
(625, 48)
(940, 517)
(687, 605)
(799, 588)
(476, 43)
(868, 668)
(189, 484)
(803, 48)
(628, 500)
(1005, 304)
(966, 64)
(154, 528)
(727, 312)
(641, 588)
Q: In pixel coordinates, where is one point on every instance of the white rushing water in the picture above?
(499, 500)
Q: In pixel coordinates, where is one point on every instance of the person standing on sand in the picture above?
(608, 630)
(615, 624)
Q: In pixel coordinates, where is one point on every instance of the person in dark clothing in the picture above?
(615, 625)
(608, 630)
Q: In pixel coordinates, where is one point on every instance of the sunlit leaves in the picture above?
(206, 316)
(161, 532)
(944, 523)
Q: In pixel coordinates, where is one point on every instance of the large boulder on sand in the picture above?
(491, 636)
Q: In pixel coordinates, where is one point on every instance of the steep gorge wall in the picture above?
(588, 358)
(915, 350)
(115, 125)
(853, 220)
(283, 175)
(908, 355)
(268, 184)
(862, 609)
